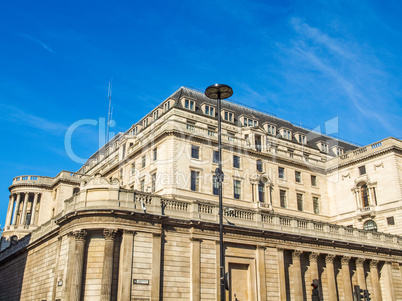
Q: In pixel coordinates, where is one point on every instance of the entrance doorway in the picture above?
(239, 277)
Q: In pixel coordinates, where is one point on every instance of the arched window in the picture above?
(364, 193)
(370, 225)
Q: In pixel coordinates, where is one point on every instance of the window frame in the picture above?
(236, 161)
(299, 200)
(195, 180)
(282, 198)
(236, 189)
(195, 150)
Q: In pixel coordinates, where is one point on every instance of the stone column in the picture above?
(125, 266)
(34, 208)
(156, 265)
(77, 265)
(261, 278)
(313, 257)
(329, 263)
(376, 294)
(107, 271)
(16, 209)
(195, 268)
(361, 279)
(24, 209)
(10, 210)
(389, 290)
(282, 278)
(297, 276)
(347, 282)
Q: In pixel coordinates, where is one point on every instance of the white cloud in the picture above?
(37, 41)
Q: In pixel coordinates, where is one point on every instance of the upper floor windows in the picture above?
(228, 116)
(298, 178)
(301, 138)
(314, 181)
(259, 166)
(281, 172)
(323, 146)
(195, 152)
(195, 175)
(270, 128)
(209, 110)
(337, 150)
(370, 225)
(236, 189)
(215, 185)
(156, 114)
(189, 104)
(299, 198)
(215, 157)
(145, 122)
(155, 154)
(261, 192)
(246, 121)
(286, 133)
(236, 161)
(362, 170)
(143, 161)
(282, 198)
(316, 205)
(166, 106)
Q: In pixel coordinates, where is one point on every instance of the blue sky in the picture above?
(304, 61)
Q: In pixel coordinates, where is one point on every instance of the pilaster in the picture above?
(329, 263)
(107, 271)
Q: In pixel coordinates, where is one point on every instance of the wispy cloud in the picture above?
(37, 41)
(16, 115)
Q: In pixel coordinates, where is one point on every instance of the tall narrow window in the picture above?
(215, 185)
(362, 170)
(298, 176)
(153, 182)
(237, 189)
(365, 196)
(261, 192)
(194, 180)
(142, 185)
(143, 161)
(282, 197)
(155, 154)
(281, 172)
(215, 157)
(299, 201)
(259, 165)
(133, 168)
(236, 161)
(195, 152)
(314, 181)
(316, 205)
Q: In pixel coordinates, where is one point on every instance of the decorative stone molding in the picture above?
(191, 238)
(374, 263)
(346, 176)
(359, 261)
(330, 258)
(80, 235)
(129, 232)
(313, 256)
(345, 260)
(109, 234)
(378, 165)
(296, 254)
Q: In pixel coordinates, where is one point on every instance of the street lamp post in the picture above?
(218, 92)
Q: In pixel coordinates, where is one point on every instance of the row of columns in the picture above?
(14, 208)
(331, 280)
(73, 287)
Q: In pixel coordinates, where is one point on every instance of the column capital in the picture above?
(374, 263)
(330, 258)
(79, 235)
(195, 239)
(359, 261)
(345, 260)
(36, 193)
(129, 231)
(261, 247)
(313, 256)
(156, 234)
(109, 234)
(296, 254)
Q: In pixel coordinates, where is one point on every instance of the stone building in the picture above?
(139, 220)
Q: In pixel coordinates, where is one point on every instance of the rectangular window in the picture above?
(215, 185)
(194, 180)
(215, 157)
(282, 197)
(299, 201)
(143, 161)
(155, 154)
(189, 104)
(362, 170)
(156, 114)
(153, 183)
(324, 147)
(211, 131)
(281, 172)
(133, 168)
(261, 192)
(142, 184)
(316, 205)
(298, 176)
(314, 181)
(259, 166)
(237, 189)
(145, 122)
(166, 106)
(390, 221)
(229, 116)
(190, 126)
(209, 111)
(236, 161)
(195, 152)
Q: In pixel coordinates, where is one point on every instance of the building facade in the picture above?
(139, 220)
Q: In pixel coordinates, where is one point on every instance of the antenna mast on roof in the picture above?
(110, 111)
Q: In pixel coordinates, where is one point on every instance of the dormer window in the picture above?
(189, 104)
(324, 147)
(301, 138)
(338, 150)
(270, 128)
(209, 110)
(287, 134)
(249, 122)
(156, 114)
(145, 122)
(228, 116)
(166, 106)
(135, 131)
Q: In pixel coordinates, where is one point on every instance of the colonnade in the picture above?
(331, 279)
(17, 215)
